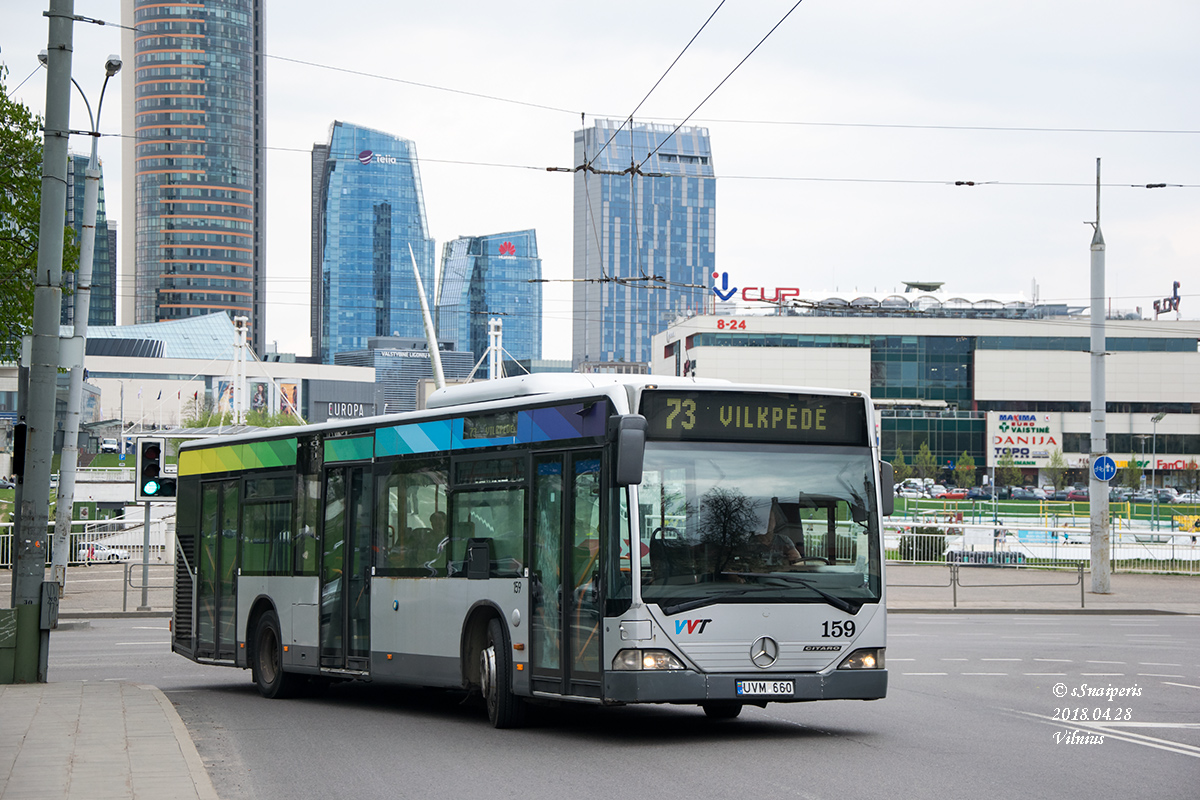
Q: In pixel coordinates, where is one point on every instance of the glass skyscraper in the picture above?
(485, 277)
(196, 173)
(368, 209)
(103, 301)
(644, 243)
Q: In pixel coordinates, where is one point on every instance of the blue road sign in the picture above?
(1104, 468)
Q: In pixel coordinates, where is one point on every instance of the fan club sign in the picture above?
(1030, 438)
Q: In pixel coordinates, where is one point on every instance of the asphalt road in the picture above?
(972, 711)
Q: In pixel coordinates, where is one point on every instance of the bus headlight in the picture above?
(870, 658)
(646, 659)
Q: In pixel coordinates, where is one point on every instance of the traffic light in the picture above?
(152, 484)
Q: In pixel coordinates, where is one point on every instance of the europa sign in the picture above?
(1030, 438)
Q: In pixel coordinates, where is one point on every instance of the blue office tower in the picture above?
(368, 210)
(486, 277)
(103, 300)
(645, 242)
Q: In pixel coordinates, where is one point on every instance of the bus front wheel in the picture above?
(505, 709)
(267, 664)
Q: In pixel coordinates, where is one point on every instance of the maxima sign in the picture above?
(1027, 436)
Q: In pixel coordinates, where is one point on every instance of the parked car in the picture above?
(109, 446)
(1078, 495)
(953, 494)
(95, 551)
(1119, 495)
(1189, 497)
(979, 493)
(1020, 493)
(909, 491)
(5, 483)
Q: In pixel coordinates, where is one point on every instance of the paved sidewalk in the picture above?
(94, 741)
(991, 590)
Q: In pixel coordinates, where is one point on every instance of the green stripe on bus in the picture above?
(238, 457)
(356, 449)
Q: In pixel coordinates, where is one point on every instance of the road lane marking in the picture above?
(1044, 674)
(1000, 659)
(1184, 685)
(985, 673)
(1120, 663)
(1157, 675)
(1103, 674)
(1157, 664)
(1134, 738)
(1056, 660)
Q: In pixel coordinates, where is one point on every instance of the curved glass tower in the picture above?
(198, 172)
(490, 276)
(368, 209)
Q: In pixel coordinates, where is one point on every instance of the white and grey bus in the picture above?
(549, 538)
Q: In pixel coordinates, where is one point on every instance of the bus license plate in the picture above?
(766, 688)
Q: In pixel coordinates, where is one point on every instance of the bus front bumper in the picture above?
(648, 686)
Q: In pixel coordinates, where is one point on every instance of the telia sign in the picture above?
(369, 157)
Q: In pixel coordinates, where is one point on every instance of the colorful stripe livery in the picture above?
(238, 457)
(574, 421)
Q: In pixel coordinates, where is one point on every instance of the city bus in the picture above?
(574, 538)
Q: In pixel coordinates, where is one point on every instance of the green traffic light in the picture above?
(150, 488)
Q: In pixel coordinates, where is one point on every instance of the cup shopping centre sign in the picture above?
(1028, 436)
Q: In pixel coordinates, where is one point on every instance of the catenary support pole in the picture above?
(29, 568)
(1098, 489)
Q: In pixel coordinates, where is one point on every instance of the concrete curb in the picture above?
(199, 775)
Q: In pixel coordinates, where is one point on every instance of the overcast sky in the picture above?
(836, 145)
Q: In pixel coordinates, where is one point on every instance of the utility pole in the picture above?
(29, 567)
(1098, 489)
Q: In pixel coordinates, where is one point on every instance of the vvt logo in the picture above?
(365, 157)
(691, 625)
(724, 292)
(507, 249)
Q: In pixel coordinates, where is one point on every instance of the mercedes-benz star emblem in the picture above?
(764, 651)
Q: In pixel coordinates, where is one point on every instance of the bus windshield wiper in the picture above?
(687, 605)
(832, 599)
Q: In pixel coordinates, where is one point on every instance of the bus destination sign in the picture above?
(756, 417)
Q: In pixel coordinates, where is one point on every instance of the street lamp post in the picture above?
(60, 552)
(1157, 418)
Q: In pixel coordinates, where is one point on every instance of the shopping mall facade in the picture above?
(968, 375)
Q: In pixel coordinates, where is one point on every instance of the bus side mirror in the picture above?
(627, 432)
(887, 488)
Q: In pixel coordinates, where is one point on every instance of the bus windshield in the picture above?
(758, 523)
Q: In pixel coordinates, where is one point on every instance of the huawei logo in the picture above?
(507, 249)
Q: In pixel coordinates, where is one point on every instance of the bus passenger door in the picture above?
(345, 569)
(565, 577)
(216, 596)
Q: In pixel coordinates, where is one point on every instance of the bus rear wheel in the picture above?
(267, 664)
(727, 710)
(504, 709)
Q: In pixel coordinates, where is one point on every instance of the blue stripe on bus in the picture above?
(418, 437)
(536, 425)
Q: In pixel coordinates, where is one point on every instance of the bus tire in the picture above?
(267, 665)
(722, 710)
(504, 709)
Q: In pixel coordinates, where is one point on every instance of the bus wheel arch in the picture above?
(474, 640)
(488, 664)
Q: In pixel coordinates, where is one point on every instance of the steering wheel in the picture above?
(802, 559)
